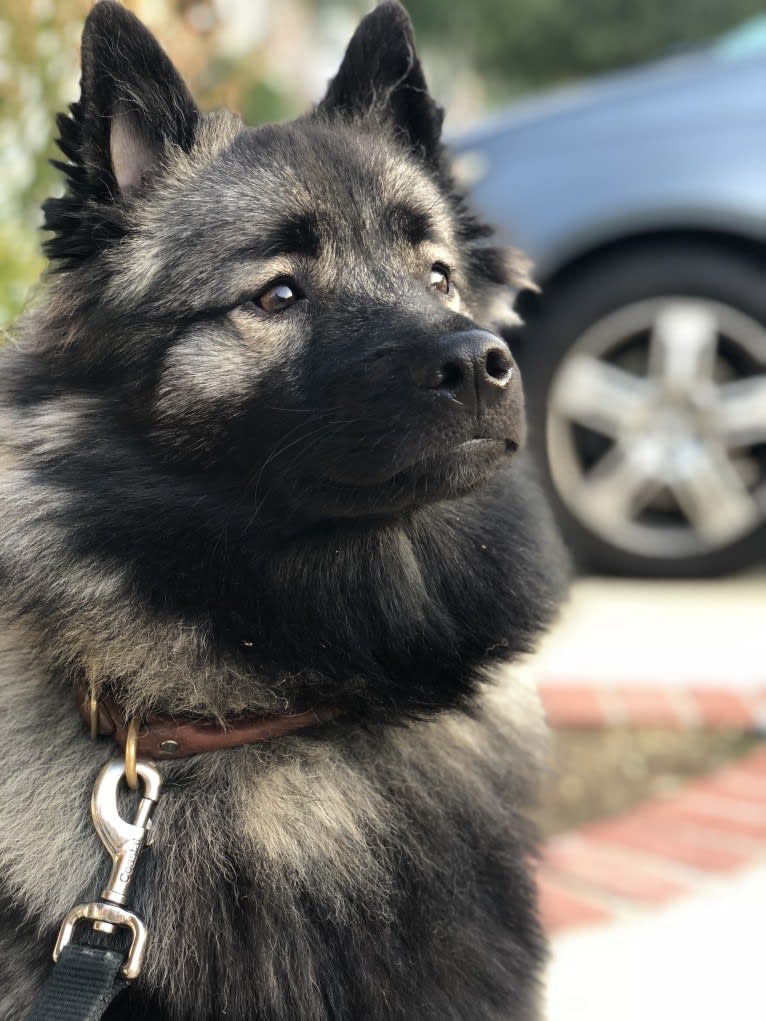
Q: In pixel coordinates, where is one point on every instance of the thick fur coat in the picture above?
(232, 481)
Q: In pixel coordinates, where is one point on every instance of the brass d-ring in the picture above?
(130, 754)
(93, 706)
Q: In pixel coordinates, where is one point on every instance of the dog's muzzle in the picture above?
(473, 368)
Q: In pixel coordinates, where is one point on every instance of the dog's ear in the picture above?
(381, 74)
(133, 101)
(133, 107)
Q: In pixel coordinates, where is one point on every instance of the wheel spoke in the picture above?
(712, 495)
(621, 483)
(742, 411)
(598, 395)
(683, 346)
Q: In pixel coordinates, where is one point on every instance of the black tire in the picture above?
(584, 297)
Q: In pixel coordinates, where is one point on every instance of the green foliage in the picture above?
(39, 44)
(34, 76)
(513, 45)
(524, 44)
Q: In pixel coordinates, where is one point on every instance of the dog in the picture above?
(261, 454)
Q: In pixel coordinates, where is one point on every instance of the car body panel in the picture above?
(680, 145)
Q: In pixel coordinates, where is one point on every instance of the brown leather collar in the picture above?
(177, 737)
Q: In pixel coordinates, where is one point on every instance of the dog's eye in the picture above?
(440, 280)
(278, 297)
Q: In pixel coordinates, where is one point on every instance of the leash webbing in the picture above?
(82, 985)
(87, 978)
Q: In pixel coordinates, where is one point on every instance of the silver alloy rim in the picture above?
(672, 393)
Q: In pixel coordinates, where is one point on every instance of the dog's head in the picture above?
(256, 422)
(309, 308)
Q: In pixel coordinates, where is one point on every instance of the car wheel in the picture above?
(646, 383)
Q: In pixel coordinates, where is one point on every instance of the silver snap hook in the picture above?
(124, 840)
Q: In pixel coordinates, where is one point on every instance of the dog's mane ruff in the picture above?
(281, 848)
(163, 615)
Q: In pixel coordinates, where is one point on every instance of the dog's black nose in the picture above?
(473, 367)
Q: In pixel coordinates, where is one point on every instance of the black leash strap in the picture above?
(82, 985)
(87, 978)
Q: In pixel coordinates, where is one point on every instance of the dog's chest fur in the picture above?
(377, 874)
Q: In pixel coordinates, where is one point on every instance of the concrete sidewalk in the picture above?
(700, 958)
(659, 913)
(657, 652)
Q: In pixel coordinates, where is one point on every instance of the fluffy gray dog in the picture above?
(260, 455)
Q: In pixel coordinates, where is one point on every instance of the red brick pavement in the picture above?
(577, 705)
(666, 848)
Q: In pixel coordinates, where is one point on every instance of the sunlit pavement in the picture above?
(684, 653)
(700, 958)
(659, 913)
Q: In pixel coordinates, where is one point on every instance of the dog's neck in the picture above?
(183, 599)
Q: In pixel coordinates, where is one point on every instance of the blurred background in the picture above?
(622, 144)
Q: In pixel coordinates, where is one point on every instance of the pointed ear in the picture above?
(381, 74)
(133, 101)
(133, 105)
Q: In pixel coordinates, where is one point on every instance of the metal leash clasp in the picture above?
(124, 841)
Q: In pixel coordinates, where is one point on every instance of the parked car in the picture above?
(641, 198)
